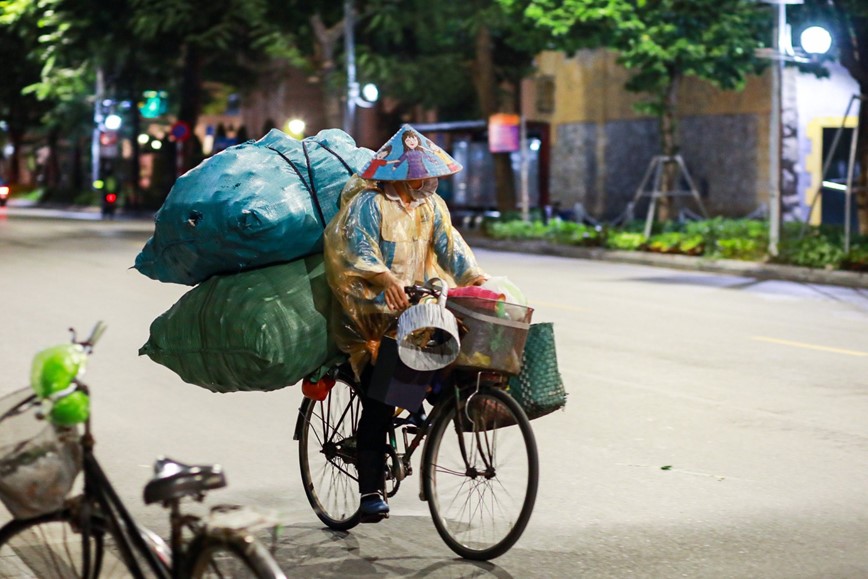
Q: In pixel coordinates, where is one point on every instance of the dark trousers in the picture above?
(371, 438)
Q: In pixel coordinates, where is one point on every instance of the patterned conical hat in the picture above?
(409, 155)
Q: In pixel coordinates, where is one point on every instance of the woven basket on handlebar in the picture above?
(38, 460)
(538, 388)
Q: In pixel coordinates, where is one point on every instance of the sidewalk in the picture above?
(81, 212)
(757, 270)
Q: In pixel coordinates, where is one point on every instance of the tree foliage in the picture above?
(464, 59)
(660, 42)
(19, 107)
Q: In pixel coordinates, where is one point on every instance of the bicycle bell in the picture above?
(428, 333)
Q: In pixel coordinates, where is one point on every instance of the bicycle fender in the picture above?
(299, 423)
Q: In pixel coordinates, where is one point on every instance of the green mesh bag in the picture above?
(538, 388)
(258, 330)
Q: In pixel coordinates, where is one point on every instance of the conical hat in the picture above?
(409, 155)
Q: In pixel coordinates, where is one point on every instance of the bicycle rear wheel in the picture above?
(53, 546)
(230, 556)
(327, 456)
(480, 472)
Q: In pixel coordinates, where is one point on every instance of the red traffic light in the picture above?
(111, 198)
(108, 138)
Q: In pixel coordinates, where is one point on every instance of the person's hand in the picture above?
(393, 291)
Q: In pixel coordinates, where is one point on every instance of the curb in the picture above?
(761, 271)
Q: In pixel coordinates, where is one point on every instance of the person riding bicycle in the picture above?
(392, 231)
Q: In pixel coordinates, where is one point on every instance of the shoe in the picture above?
(373, 508)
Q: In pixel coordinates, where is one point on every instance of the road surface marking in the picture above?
(811, 346)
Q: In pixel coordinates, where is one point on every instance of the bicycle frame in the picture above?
(451, 394)
(98, 489)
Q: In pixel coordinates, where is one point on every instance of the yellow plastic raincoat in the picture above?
(374, 232)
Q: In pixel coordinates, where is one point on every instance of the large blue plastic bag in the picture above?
(252, 205)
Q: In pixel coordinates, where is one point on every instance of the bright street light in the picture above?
(113, 122)
(816, 40)
(295, 128)
(143, 139)
(370, 92)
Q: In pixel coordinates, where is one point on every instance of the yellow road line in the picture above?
(810, 346)
(560, 306)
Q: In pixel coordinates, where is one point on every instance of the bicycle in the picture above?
(479, 466)
(93, 534)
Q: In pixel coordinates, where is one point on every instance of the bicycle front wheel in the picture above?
(327, 456)
(230, 556)
(480, 472)
(53, 545)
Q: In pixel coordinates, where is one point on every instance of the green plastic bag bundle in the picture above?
(258, 330)
(251, 205)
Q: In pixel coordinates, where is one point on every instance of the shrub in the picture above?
(625, 240)
(573, 233)
(814, 250)
(856, 260)
(738, 248)
(676, 242)
(518, 230)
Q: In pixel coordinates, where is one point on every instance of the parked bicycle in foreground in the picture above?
(479, 467)
(42, 449)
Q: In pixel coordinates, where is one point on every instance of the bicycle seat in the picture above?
(175, 480)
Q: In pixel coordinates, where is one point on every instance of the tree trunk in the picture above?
(669, 136)
(485, 82)
(16, 139)
(861, 184)
(134, 183)
(324, 59)
(51, 171)
(77, 178)
(191, 98)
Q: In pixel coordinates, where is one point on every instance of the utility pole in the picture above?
(780, 28)
(352, 84)
(98, 119)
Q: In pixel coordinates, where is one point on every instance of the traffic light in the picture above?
(154, 104)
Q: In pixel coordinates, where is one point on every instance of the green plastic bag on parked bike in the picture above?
(262, 329)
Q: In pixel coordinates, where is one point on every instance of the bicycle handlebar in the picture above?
(95, 334)
(417, 292)
(433, 287)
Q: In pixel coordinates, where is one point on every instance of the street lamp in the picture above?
(295, 128)
(816, 40)
(113, 122)
(354, 94)
(782, 50)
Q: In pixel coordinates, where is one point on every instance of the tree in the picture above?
(19, 105)
(661, 42)
(848, 22)
(227, 41)
(445, 55)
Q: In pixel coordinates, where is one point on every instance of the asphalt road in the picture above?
(716, 426)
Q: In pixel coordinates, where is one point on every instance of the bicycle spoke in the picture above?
(327, 457)
(480, 475)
